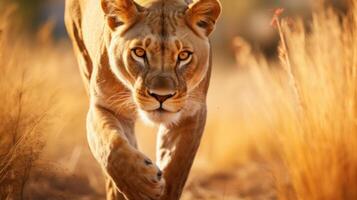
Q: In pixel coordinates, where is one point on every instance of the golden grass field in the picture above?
(282, 129)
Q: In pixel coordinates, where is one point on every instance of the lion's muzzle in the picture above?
(162, 88)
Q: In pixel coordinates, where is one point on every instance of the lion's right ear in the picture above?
(120, 12)
(202, 15)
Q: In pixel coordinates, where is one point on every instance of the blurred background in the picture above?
(239, 157)
(248, 19)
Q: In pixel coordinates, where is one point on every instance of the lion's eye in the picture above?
(184, 55)
(139, 52)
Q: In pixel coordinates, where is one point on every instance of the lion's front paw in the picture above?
(148, 179)
(137, 177)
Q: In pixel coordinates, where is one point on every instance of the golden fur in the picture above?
(149, 58)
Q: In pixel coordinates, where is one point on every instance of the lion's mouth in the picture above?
(160, 113)
(162, 110)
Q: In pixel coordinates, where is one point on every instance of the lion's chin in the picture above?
(161, 117)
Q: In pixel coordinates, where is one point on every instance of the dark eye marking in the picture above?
(114, 21)
(148, 162)
(202, 24)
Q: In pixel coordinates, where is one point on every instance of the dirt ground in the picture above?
(250, 182)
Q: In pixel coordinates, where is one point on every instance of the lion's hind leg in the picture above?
(73, 26)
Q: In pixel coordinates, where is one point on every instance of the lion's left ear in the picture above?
(202, 15)
(120, 12)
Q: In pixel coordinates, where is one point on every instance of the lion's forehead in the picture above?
(163, 21)
(162, 25)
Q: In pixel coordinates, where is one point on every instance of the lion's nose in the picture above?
(161, 98)
(162, 88)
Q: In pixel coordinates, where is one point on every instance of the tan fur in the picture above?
(159, 87)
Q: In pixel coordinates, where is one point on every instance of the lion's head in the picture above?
(160, 50)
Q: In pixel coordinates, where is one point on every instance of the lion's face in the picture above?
(161, 54)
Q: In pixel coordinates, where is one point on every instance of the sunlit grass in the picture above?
(307, 104)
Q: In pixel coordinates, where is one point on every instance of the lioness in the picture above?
(149, 58)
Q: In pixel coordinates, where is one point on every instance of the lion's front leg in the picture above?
(177, 148)
(129, 170)
(112, 190)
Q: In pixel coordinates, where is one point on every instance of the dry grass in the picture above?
(283, 130)
(35, 106)
(307, 104)
(319, 146)
(23, 118)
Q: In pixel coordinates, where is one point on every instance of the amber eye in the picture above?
(139, 52)
(184, 55)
